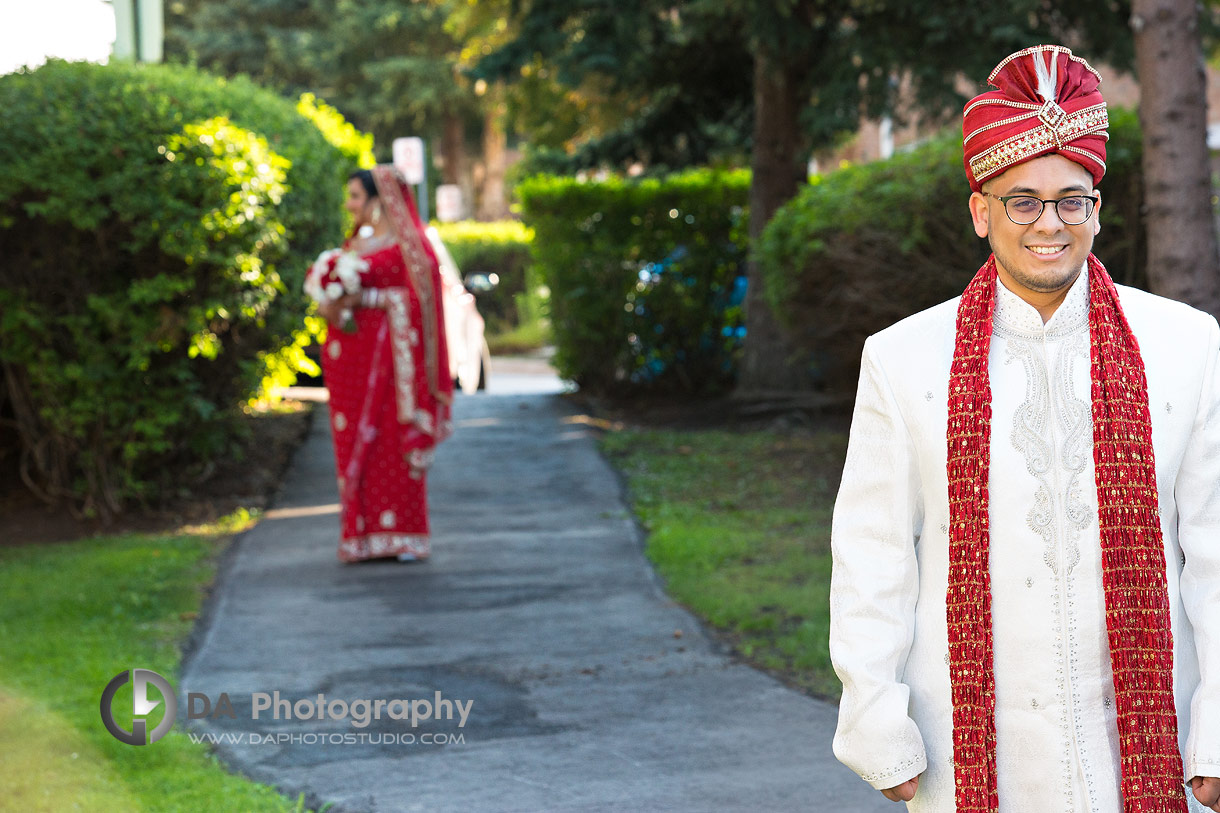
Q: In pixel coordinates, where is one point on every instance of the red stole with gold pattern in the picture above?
(1133, 555)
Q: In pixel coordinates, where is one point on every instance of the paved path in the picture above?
(539, 607)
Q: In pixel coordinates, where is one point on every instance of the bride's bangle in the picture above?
(370, 297)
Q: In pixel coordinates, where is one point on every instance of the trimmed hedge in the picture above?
(501, 248)
(865, 246)
(155, 224)
(646, 278)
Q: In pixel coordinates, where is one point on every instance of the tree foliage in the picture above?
(641, 80)
(682, 70)
(806, 72)
(388, 66)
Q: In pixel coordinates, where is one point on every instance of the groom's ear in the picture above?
(979, 214)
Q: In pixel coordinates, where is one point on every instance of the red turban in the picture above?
(1046, 101)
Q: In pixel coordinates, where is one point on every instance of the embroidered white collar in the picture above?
(1018, 316)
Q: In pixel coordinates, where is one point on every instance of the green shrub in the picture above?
(503, 249)
(645, 277)
(156, 225)
(863, 247)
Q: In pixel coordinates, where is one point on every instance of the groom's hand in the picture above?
(1207, 791)
(906, 791)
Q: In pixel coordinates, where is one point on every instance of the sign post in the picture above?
(409, 159)
(448, 203)
(139, 30)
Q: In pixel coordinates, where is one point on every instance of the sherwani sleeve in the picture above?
(1197, 495)
(874, 587)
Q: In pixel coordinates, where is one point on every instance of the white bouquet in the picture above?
(335, 274)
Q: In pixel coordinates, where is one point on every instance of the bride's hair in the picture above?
(366, 180)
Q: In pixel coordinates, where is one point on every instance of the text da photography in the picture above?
(359, 713)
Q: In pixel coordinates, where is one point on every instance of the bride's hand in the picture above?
(333, 311)
(329, 311)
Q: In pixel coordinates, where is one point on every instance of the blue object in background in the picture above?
(714, 350)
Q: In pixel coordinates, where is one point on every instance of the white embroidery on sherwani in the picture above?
(1052, 410)
(1076, 419)
(1031, 437)
(902, 741)
(1053, 431)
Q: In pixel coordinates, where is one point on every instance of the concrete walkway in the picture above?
(591, 691)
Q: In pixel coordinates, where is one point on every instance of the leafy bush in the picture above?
(646, 277)
(863, 247)
(155, 224)
(503, 249)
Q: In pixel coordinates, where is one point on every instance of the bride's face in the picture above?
(357, 203)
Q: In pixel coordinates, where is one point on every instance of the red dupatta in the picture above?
(431, 415)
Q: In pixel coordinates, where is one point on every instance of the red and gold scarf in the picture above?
(1133, 555)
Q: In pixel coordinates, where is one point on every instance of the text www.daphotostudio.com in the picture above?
(391, 716)
(334, 738)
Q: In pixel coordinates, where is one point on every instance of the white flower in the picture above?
(333, 274)
(347, 269)
(322, 264)
(316, 278)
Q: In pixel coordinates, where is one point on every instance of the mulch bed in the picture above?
(779, 414)
(249, 482)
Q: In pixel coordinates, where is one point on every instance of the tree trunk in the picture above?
(453, 148)
(453, 155)
(1183, 262)
(778, 164)
(493, 202)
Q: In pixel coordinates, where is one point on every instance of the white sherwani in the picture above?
(1056, 728)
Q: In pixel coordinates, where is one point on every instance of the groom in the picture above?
(1025, 603)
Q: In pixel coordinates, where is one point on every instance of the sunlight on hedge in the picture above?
(158, 223)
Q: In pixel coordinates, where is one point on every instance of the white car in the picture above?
(469, 356)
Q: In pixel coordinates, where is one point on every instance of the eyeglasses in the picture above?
(1024, 209)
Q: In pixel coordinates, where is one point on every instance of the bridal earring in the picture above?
(366, 231)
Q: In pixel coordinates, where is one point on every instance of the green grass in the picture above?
(73, 616)
(521, 339)
(739, 528)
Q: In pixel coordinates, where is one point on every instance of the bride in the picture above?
(387, 372)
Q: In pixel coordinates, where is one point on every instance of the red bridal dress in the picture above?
(390, 391)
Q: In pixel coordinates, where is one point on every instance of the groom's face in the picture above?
(1044, 257)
